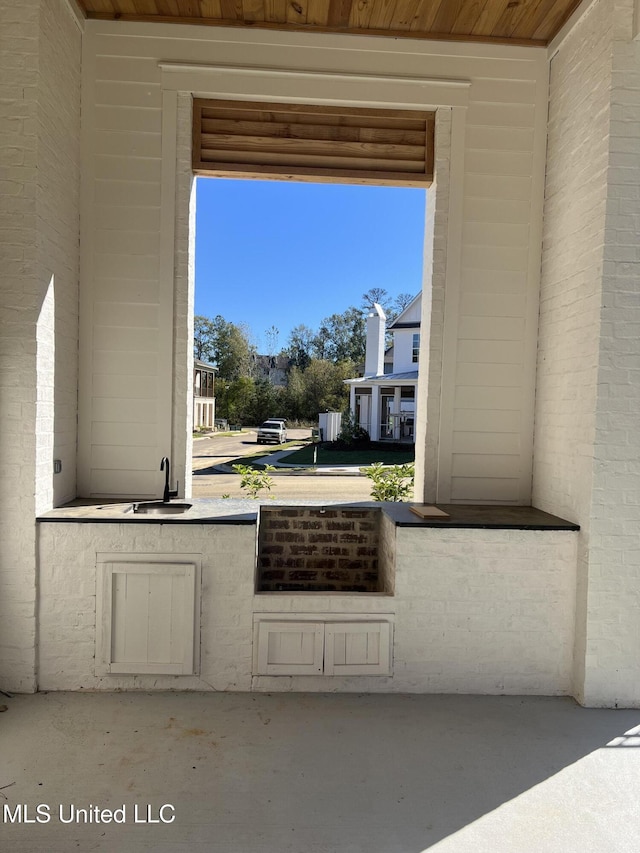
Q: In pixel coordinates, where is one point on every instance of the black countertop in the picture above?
(242, 511)
(478, 516)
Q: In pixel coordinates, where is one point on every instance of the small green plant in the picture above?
(391, 482)
(351, 432)
(254, 481)
(226, 496)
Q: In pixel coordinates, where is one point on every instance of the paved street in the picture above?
(210, 452)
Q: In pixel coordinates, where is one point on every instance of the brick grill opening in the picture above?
(313, 549)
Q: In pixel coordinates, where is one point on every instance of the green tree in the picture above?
(324, 388)
(234, 400)
(225, 344)
(342, 337)
(233, 351)
(300, 345)
(294, 395)
(204, 347)
(266, 402)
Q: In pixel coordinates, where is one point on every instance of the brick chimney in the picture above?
(374, 352)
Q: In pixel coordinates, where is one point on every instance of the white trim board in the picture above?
(314, 87)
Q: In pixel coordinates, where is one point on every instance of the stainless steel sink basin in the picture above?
(159, 508)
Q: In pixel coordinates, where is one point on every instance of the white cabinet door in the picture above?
(146, 618)
(322, 646)
(290, 648)
(357, 648)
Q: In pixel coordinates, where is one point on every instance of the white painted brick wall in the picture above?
(68, 601)
(58, 223)
(475, 611)
(39, 174)
(612, 668)
(484, 611)
(570, 295)
(587, 442)
(573, 241)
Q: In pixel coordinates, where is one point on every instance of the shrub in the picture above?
(350, 430)
(391, 482)
(253, 480)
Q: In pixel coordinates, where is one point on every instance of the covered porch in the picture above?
(385, 407)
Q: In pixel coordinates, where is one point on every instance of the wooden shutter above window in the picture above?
(303, 142)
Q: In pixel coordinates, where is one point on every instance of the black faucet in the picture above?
(165, 466)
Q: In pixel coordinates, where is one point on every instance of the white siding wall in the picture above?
(39, 179)
(403, 338)
(493, 239)
(403, 349)
(124, 422)
(485, 449)
(588, 397)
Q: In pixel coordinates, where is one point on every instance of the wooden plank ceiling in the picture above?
(522, 22)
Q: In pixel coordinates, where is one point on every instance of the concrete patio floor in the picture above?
(319, 773)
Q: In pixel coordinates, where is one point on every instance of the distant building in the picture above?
(273, 368)
(204, 401)
(384, 398)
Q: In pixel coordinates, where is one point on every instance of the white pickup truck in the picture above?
(272, 430)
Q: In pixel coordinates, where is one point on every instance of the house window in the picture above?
(317, 144)
(415, 348)
(203, 383)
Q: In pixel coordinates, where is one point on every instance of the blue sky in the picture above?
(282, 253)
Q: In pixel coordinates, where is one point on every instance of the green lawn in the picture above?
(364, 456)
(303, 457)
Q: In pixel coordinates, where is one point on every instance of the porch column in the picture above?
(375, 413)
(587, 444)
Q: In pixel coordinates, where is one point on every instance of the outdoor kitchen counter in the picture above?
(234, 511)
(483, 602)
(481, 517)
(203, 511)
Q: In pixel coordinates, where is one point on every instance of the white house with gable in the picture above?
(385, 403)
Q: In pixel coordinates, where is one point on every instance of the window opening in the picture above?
(225, 140)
